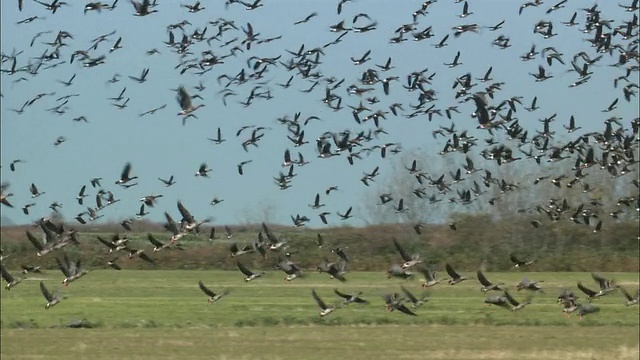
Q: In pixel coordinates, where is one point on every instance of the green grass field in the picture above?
(163, 314)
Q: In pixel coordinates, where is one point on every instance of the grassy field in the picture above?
(163, 314)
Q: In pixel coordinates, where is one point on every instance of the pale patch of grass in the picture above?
(319, 342)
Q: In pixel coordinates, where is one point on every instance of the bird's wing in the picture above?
(107, 243)
(146, 258)
(125, 171)
(153, 240)
(287, 267)
(602, 282)
(77, 266)
(172, 224)
(403, 254)
(244, 270)
(336, 274)
(5, 274)
(409, 295)
(622, 290)
(183, 98)
(319, 240)
(342, 255)
(428, 275)
(341, 294)
(185, 213)
(36, 243)
(483, 280)
(586, 290)
(405, 310)
(451, 272)
(319, 301)
(388, 298)
(205, 289)
(63, 268)
(45, 292)
(510, 298)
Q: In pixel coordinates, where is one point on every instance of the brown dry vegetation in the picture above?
(480, 241)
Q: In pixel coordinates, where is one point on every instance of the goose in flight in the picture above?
(188, 222)
(34, 191)
(171, 225)
(516, 305)
(159, 245)
(212, 297)
(141, 213)
(585, 309)
(291, 269)
(409, 261)
(631, 300)
(11, 281)
(486, 284)
(141, 254)
(114, 245)
(150, 200)
(336, 271)
(541, 75)
(113, 263)
(52, 299)
(498, 300)
(72, 270)
(4, 199)
(340, 252)
(353, 298)
(234, 251)
(250, 275)
(518, 263)
(184, 99)
(606, 287)
(324, 308)
(25, 208)
(394, 302)
(398, 272)
(316, 203)
(454, 277)
(526, 284)
(415, 301)
(142, 8)
(31, 269)
(81, 195)
(430, 277)
(43, 247)
(203, 170)
(168, 182)
(346, 215)
(53, 6)
(218, 139)
(125, 176)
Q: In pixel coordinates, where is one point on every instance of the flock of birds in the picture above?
(56, 237)
(612, 151)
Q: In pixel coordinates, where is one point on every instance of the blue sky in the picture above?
(160, 146)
